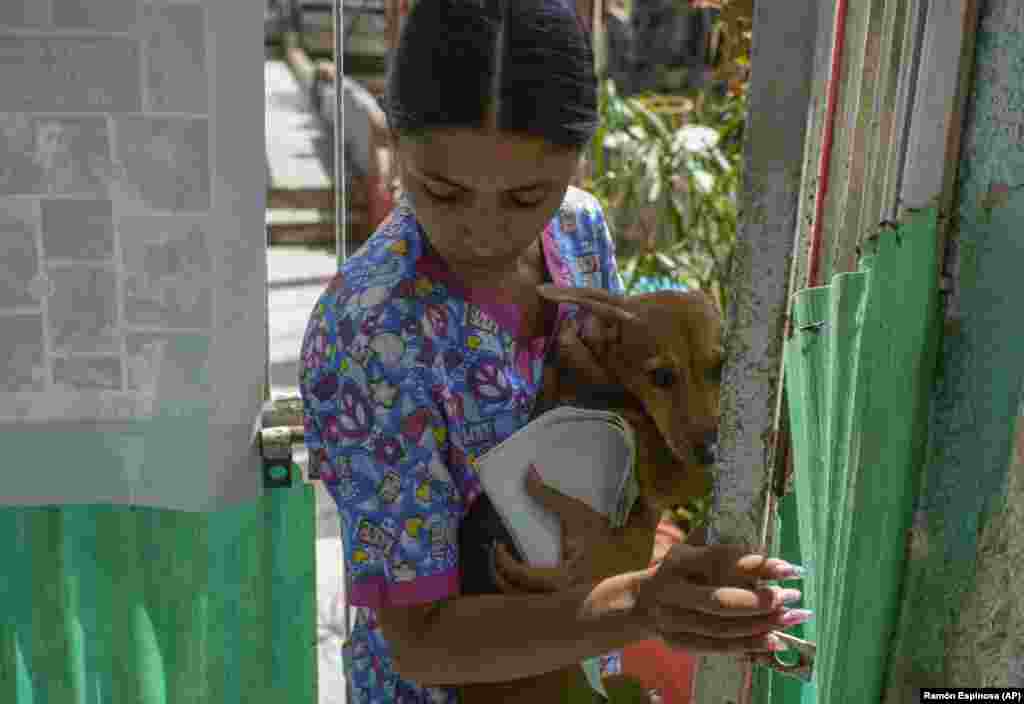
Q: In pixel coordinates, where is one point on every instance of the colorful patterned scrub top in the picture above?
(406, 378)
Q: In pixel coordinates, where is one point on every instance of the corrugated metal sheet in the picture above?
(125, 605)
(858, 372)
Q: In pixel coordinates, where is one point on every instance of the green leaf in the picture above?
(650, 121)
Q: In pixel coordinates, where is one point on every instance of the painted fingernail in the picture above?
(775, 645)
(789, 596)
(795, 617)
(788, 570)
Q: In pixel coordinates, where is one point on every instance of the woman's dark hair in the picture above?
(528, 61)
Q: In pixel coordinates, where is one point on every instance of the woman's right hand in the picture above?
(712, 599)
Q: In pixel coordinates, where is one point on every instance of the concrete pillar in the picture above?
(132, 249)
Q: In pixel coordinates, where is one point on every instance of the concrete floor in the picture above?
(297, 278)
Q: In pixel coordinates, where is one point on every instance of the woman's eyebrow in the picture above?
(528, 187)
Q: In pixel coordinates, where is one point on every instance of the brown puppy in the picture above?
(660, 357)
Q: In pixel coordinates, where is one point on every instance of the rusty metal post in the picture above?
(782, 58)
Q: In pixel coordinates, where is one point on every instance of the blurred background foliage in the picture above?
(666, 164)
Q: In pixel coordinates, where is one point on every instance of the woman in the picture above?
(427, 349)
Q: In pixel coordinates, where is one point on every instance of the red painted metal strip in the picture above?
(839, 36)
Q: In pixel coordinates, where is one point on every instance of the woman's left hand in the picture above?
(514, 577)
(591, 548)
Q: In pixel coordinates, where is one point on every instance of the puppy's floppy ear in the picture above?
(681, 406)
(598, 301)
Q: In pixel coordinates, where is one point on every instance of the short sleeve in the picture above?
(593, 218)
(372, 426)
(606, 245)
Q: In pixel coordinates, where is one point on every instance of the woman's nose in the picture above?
(485, 233)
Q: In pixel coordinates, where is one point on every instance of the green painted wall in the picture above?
(106, 604)
(942, 639)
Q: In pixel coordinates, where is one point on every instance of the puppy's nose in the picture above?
(707, 449)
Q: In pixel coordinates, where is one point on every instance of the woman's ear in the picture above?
(394, 144)
(579, 175)
(399, 162)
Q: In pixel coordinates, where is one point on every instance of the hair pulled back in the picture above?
(525, 64)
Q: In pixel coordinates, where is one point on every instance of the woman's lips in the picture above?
(483, 267)
(486, 260)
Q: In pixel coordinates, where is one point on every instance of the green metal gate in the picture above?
(124, 605)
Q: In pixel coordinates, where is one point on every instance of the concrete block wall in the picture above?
(132, 245)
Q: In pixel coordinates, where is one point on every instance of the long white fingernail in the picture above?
(790, 571)
(790, 596)
(796, 617)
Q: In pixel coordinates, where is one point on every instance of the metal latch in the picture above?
(276, 449)
(803, 668)
(282, 427)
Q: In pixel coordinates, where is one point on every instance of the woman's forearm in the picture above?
(499, 637)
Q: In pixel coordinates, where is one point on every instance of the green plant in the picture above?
(668, 179)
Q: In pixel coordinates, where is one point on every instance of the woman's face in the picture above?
(483, 197)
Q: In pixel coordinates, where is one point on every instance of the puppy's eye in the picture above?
(663, 377)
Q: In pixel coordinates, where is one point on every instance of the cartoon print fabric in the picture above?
(406, 377)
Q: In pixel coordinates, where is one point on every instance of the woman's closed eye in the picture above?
(528, 200)
(444, 195)
(450, 195)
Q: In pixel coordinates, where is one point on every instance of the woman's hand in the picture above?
(583, 351)
(514, 577)
(712, 599)
(591, 548)
(578, 521)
